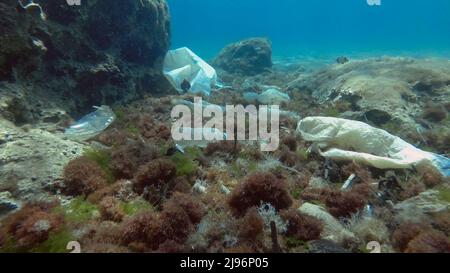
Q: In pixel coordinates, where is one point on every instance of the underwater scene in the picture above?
(224, 126)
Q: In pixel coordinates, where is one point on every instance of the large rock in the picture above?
(100, 52)
(381, 90)
(426, 202)
(333, 229)
(31, 163)
(248, 57)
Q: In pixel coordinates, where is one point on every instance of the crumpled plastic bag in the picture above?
(358, 141)
(270, 96)
(92, 124)
(183, 65)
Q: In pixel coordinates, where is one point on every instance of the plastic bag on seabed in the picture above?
(182, 65)
(92, 124)
(355, 140)
(213, 134)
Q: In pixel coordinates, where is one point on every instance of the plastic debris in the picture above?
(7, 203)
(224, 189)
(270, 96)
(214, 133)
(368, 211)
(358, 141)
(182, 66)
(200, 186)
(179, 148)
(348, 182)
(273, 96)
(91, 124)
(32, 5)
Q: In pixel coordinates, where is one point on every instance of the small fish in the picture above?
(185, 85)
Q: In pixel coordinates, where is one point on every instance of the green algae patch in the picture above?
(185, 163)
(444, 193)
(10, 246)
(78, 211)
(56, 242)
(303, 154)
(103, 159)
(292, 242)
(136, 206)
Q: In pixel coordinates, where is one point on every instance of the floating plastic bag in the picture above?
(182, 66)
(91, 124)
(355, 140)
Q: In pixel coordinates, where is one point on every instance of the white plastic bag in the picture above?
(92, 124)
(182, 64)
(355, 140)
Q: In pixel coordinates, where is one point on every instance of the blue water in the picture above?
(315, 27)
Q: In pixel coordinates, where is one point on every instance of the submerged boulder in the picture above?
(388, 92)
(333, 229)
(31, 162)
(248, 57)
(100, 52)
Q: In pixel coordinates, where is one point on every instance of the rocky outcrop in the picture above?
(248, 57)
(31, 162)
(100, 52)
(333, 229)
(380, 90)
(56, 62)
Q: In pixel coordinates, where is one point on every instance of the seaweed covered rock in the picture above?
(141, 231)
(388, 92)
(89, 53)
(165, 231)
(259, 188)
(332, 229)
(429, 242)
(32, 161)
(301, 226)
(180, 215)
(420, 238)
(251, 225)
(157, 173)
(127, 158)
(30, 226)
(248, 57)
(83, 176)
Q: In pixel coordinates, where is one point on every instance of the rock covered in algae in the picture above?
(248, 57)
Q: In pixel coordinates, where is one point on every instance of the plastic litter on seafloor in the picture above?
(270, 96)
(92, 124)
(354, 140)
(203, 142)
(182, 65)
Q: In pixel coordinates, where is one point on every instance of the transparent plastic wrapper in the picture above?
(203, 142)
(92, 124)
(273, 96)
(354, 140)
(270, 96)
(187, 72)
